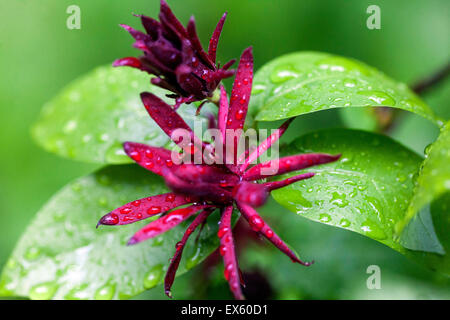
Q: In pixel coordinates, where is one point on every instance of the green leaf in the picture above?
(63, 256)
(305, 82)
(434, 178)
(91, 118)
(367, 191)
(431, 200)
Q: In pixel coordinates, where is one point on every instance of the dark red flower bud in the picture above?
(175, 56)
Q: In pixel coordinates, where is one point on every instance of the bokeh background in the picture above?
(39, 55)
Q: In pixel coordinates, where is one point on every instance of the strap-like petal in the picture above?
(167, 18)
(166, 117)
(260, 226)
(175, 261)
(283, 183)
(215, 38)
(196, 44)
(223, 112)
(151, 158)
(227, 250)
(145, 208)
(165, 223)
(264, 146)
(240, 97)
(287, 164)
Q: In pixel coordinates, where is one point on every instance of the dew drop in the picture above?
(116, 154)
(32, 253)
(372, 230)
(43, 291)
(194, 259)
(153, 276)
(344, 223)
(106, 292)
(324, 217)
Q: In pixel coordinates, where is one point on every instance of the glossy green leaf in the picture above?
(91, 118)
(434, 178)
(367, 191)
(305, 82)
(431, 200)
(63, 256)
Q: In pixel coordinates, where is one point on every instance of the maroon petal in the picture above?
(175, 261)
(151, 158)
(227, 65)
(144, 208)
(227, 250)
(264, 146)
(196, 44)
(287, 164)
(167, 18)
(258, 225)
(152, 60)
(223, 111)
(189, 81)
(129, 62)
(215, 38)
(152, 26)
(283, 183)
(165, 223)
(213, 78)
(165, 53)
(166, 118)
(240, 97)
(162, 83)
(180, 100)
(138, 35)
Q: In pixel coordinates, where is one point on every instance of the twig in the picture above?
(421, 86)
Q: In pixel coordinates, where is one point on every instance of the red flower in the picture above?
(175, 56)
(206, 187)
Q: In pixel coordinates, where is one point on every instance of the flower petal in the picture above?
(175, 261)
(166, 117)
(240, 97)
(196, 44)
(227, 250)
(144, 208)
(165, 223)
(264, 146)
(283, 183)
(212, 49)
(151, 26)
(189, 81)
(258, 225)
(223, 111)
(129, 62)
(168, 19)
(287, 164)
(151, 158)
(136, 34)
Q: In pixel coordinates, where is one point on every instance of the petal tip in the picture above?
(109, 219)
(168, 293)
(132, 241)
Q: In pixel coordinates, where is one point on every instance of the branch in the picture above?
(421, 86)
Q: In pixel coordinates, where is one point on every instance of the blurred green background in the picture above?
(39, 55)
